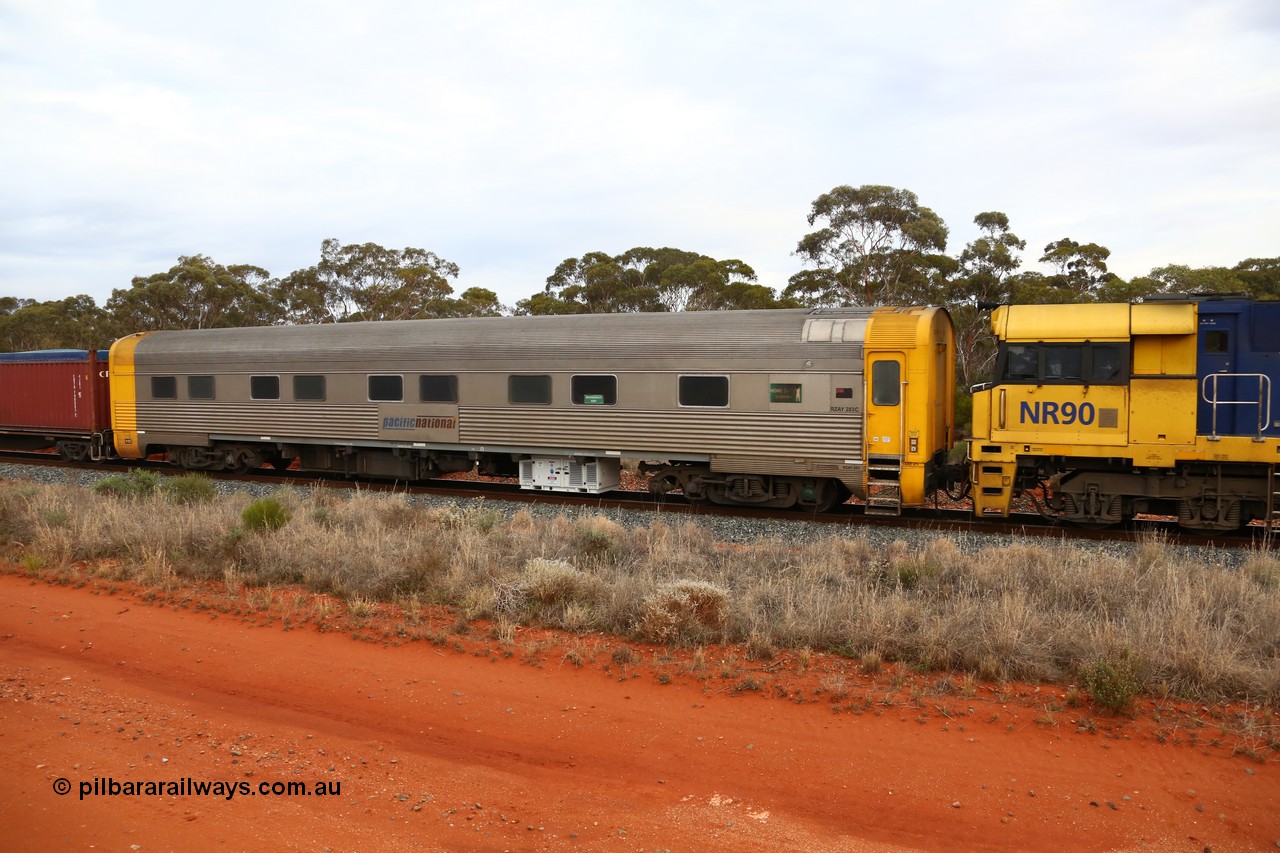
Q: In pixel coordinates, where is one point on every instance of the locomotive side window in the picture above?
(1109, 363)
(594, 390)
(1216, 342)
(1022, 363)
(164, 387)
(310, 388)
(886, 383)
(264, 387)
(529, 390)
(386, 388)
(706, 391)
(438, 389)
(1064, 364)
(200, 387)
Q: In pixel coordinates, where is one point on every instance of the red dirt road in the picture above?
(423, 747)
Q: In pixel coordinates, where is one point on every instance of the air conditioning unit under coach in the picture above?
(550, 474)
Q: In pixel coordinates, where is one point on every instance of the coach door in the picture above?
(886, 418)
(885, 408)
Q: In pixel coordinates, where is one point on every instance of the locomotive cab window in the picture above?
(886, 383)
(1084, 363)
(1216, 343)
(164, 387)
(594, 390)
(704, 391)
(529, 390)
(200, 387)
(1107, 364)
(308, 388)
(437, 389)
(1064, 363)
(264, 387)
(386, 388)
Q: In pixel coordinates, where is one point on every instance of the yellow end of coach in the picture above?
(124, 397)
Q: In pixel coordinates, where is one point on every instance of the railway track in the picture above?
(957, 519)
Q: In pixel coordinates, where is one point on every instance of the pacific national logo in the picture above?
(420, 422)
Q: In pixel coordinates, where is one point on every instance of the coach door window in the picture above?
(594, 390)
(529, 390)
(387, 388)
(704, 391)
(886, 383)
(264, 387)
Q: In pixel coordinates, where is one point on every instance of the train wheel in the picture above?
(820, 496)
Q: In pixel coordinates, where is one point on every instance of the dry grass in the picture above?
(1172, 625)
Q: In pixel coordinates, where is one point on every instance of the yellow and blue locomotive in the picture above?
(1105, 412)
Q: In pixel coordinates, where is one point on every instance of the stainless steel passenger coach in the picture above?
(771, 408)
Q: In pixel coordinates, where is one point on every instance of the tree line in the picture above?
(871, 245)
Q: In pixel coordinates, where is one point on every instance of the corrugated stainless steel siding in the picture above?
(278, 420)
(757, 434)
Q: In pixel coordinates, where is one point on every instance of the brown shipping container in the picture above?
(54, 393)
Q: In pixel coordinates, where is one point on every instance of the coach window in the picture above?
(595, 390)
(784, 392)
(886, 383)
(164, 388)
(200, 387)
(438, 389)
(386, 388)
(704, 391)
(308, 388)
(264, 387)
(529, 390)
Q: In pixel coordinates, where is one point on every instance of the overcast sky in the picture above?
(508, 136)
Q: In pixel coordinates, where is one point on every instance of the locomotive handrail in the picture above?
(1264, 395)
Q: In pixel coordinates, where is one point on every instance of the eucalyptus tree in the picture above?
(195, 293)
(72, 323)
(366, 281)
(876, 245)
(983, 276)
(1082, 274)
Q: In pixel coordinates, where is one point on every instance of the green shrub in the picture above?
(1113, 681)
(188, 489)
(265, 514)
(135, 484)
(56, 517)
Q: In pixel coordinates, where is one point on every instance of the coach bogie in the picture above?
(238, 458)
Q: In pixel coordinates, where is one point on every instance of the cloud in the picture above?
(508, 136)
